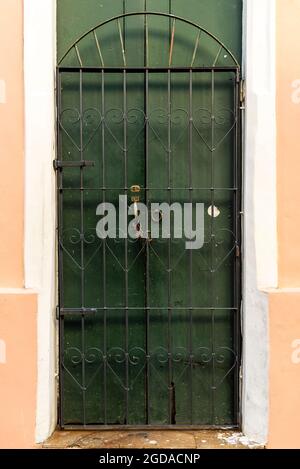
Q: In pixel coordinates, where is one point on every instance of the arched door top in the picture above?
(206, 50)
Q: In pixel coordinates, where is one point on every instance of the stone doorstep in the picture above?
(163, 439)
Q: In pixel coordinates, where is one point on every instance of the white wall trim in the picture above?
(260, 210)
(260, 65)
(39, 72)
(260, 227)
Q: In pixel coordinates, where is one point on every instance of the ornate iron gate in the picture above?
(149, 331)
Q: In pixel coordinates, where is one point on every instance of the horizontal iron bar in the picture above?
(58, 164)
(148, 69)
(149, 427)
(142, 308)
(149, 188)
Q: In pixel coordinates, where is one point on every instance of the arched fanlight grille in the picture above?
(156, 38)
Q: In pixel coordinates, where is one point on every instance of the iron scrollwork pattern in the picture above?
(137, 356)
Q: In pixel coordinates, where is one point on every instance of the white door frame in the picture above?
(260, 232)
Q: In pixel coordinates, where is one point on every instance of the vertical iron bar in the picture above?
(237, 273)
(172, 43)
(217, 56)
(78, 55)
(124, 25)
(146, 40)
(212, 240)
(190, 165)
(122, 43)
(240, 115)
(170, 363)
(98, 49)
(147, 250)
(82, 248)
(104, 255)
(196, 48)
(126, 240)
(170, 371)
(235, 235)
(147, 260)
(59, 183)
(170, 27)
(146, 106)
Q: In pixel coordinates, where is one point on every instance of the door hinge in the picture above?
(57, 312)
(237, 251)
(58, 164)
(242, 93)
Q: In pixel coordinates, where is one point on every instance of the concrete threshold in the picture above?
(162, 439)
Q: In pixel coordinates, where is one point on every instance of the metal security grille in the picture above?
(149, 331)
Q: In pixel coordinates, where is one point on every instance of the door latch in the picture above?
(58, 164)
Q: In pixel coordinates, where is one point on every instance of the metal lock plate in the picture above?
(135, 188)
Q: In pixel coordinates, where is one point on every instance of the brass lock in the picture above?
(135, 188)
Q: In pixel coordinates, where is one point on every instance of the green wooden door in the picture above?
(149, 331)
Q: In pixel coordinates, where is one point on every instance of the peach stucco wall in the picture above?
(288, 121)
(11, 143)
(18, 363)
(18, 307)
(284, 311)
(284, 387)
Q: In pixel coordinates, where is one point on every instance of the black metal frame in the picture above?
(59, 165)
